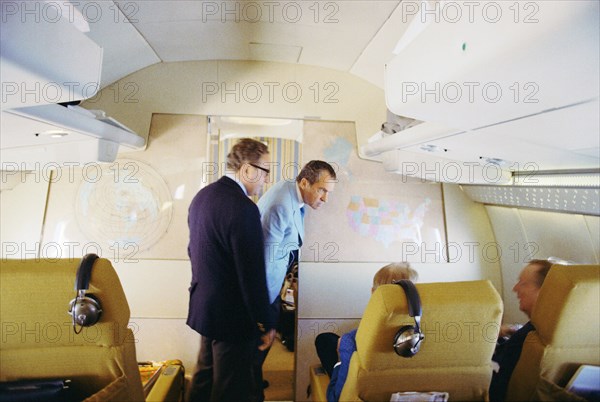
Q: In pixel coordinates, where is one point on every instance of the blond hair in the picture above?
(394, 272)
(245, 150)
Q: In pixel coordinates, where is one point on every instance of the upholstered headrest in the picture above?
(35, 303)
(568, 306)
(460, 321)
(465, 315)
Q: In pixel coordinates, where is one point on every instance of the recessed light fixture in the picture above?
(54, 133)
(494, 161)
(432, 148)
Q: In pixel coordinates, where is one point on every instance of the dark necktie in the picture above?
(302, 219)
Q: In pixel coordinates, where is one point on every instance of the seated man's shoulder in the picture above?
(351, 334)
(348, 340)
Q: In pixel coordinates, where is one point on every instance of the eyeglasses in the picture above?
(267, 171)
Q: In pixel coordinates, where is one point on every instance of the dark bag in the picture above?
(289, 290)
(289, 302)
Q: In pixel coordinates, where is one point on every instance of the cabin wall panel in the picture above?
(22, 206)
(565, 236)
(470, 236)
(156, 288)
(512, 240)
(158, 339)
(593, 226)
(136, 207)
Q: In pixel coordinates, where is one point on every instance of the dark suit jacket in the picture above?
(507, 356)
(228, 294)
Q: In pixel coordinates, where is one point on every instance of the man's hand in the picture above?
(267, 339)
(508, 330)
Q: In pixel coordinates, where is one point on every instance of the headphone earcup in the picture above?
(86, 311)
(407, 341)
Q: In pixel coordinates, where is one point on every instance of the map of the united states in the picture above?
(386, 221)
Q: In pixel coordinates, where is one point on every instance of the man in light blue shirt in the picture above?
(282, 217)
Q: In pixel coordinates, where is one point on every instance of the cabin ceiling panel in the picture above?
(124, 49)
(208, 41)
(371, 62)
(332, 34)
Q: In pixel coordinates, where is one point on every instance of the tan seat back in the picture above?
(567, 335)
(460, 321)
(38, 341)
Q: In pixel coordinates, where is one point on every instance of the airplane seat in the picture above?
(38, 339)
(319, 380)
(566, 318)
(460, 321)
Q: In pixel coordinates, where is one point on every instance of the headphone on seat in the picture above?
(407, 341)
(85, 310)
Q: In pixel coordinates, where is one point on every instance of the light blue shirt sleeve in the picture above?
(275, 220)
(283, 227)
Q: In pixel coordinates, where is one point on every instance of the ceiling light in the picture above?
(494, 161)
(54, 133)
(432, 148)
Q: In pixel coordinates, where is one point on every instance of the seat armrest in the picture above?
(169, 385)
(319, 380)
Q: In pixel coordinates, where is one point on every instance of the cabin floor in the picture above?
(278, 369)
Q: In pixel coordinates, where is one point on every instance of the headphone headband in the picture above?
(84, 272)
(412, 297)
(407, 341)
(85, 310)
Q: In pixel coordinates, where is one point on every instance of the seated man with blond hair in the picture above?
(335, 352)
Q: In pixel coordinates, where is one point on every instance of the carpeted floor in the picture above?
(279, 371)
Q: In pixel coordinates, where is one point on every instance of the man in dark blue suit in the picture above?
(508, 352)
(229, 304)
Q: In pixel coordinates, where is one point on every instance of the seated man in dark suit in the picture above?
(508, 351)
